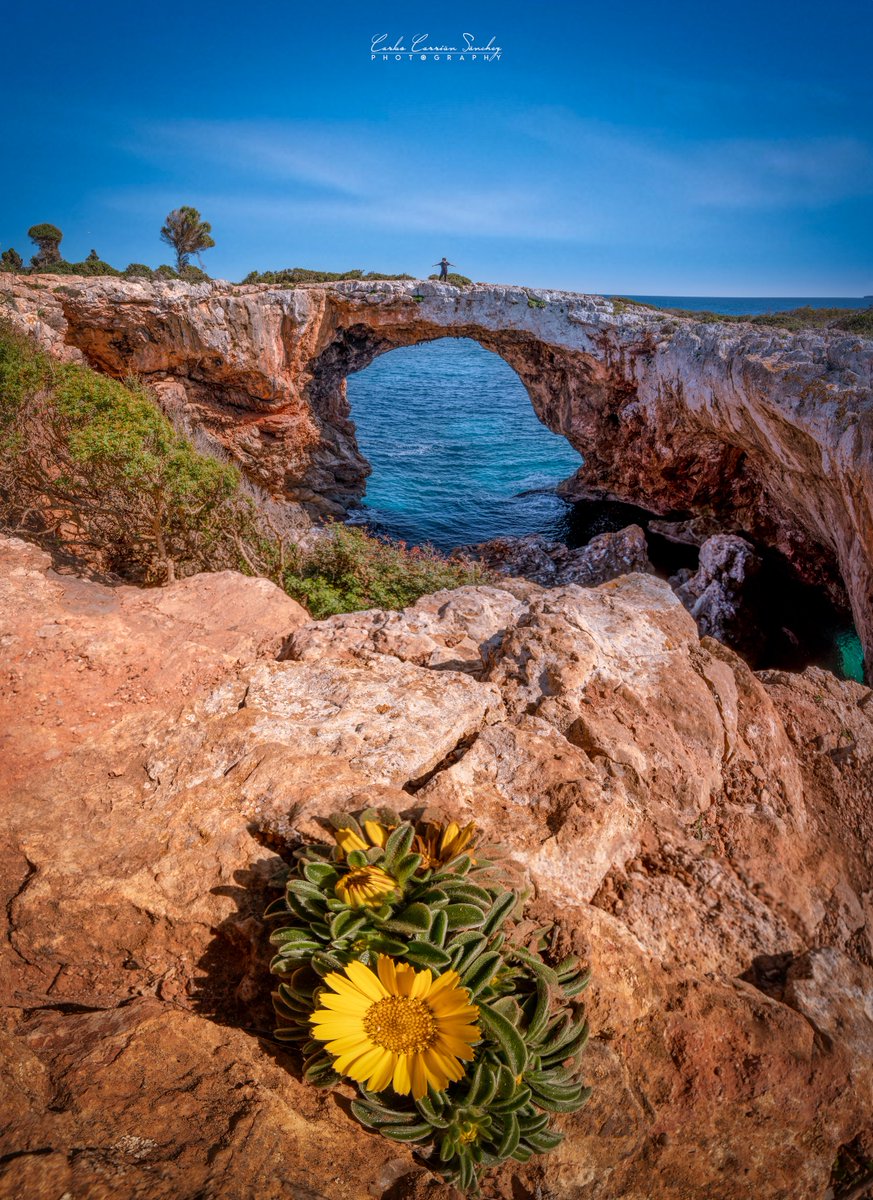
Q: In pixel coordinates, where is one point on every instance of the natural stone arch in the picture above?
(752, 430)
(355, 347)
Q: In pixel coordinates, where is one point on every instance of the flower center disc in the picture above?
(401, 1024)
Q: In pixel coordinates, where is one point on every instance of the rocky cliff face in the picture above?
(757, 432)
(703, 835)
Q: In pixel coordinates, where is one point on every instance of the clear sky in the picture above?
(622, 146)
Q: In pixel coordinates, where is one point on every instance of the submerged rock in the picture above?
(702, 836)
(553, 564)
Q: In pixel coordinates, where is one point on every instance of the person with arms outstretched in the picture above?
(444, 265)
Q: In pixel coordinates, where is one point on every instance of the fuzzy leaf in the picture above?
(439, 929)
(407, 1133)
(500, 910)
(406, 867)
(398, 844)
(423, 954)
(511, 1137)
(320, 873)
(507, 1037)
(481, 972)
(462, 916)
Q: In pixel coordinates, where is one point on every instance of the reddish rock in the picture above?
(701, 834)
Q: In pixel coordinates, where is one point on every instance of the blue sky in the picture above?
(626, 147)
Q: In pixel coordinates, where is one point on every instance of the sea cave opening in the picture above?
(459, 457)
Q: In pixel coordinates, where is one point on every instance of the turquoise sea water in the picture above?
(751, 306)
(459, 456)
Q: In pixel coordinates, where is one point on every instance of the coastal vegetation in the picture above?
(92, 469)
(795, 320)
(293, 275)
(187, 233)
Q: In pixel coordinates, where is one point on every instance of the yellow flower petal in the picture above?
(365, 981)
(402, 1081)
(348, 840)
(378, 834)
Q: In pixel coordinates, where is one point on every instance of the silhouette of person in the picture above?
(444, 265)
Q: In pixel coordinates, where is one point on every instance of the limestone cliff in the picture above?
(761, 432)
(703, 835)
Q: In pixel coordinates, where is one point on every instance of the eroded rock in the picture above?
(553, 564)
(722, 594)
(685, 821)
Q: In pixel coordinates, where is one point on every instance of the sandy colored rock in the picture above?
(700, 833)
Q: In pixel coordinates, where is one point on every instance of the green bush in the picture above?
(11, 260)
(795, 320)
(291, 276)
(138, 271)
(166, 272)
(192, 274)
(454, 279)
(91, 466)
(859, 321)
(89, 266)
(347, 570)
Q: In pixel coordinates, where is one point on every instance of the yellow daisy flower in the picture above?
(439, 845)
(400, 1027)
(349, 839)
(365, 886)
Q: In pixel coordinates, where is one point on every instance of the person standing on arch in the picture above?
(444, 265)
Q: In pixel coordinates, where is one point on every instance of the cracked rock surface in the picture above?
(701, 833)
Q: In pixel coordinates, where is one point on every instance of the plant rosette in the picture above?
(407, 970)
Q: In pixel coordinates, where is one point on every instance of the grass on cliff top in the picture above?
(293, 275)
(90, 467)
(846, 320)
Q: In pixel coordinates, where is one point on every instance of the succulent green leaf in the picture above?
(423, 954)
(511, 1137)
(481, 972)
(463, 916)
(506, 1036)
(500, 911)
(398, 844)
(408, 1133)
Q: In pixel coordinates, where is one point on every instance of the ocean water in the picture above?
(752, 306)
(457, 452)
(459, 456)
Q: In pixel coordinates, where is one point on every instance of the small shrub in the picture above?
(347, 570)
(535, 302)
(192, 274)
(291, 276)
(138, 271)
(454, 279)
(11, 260)
(166, 272)
(859, 321)
(90, 266)
(91, 466)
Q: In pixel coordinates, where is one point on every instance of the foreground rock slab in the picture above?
(701, 834)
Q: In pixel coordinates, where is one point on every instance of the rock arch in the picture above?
(749, 429)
